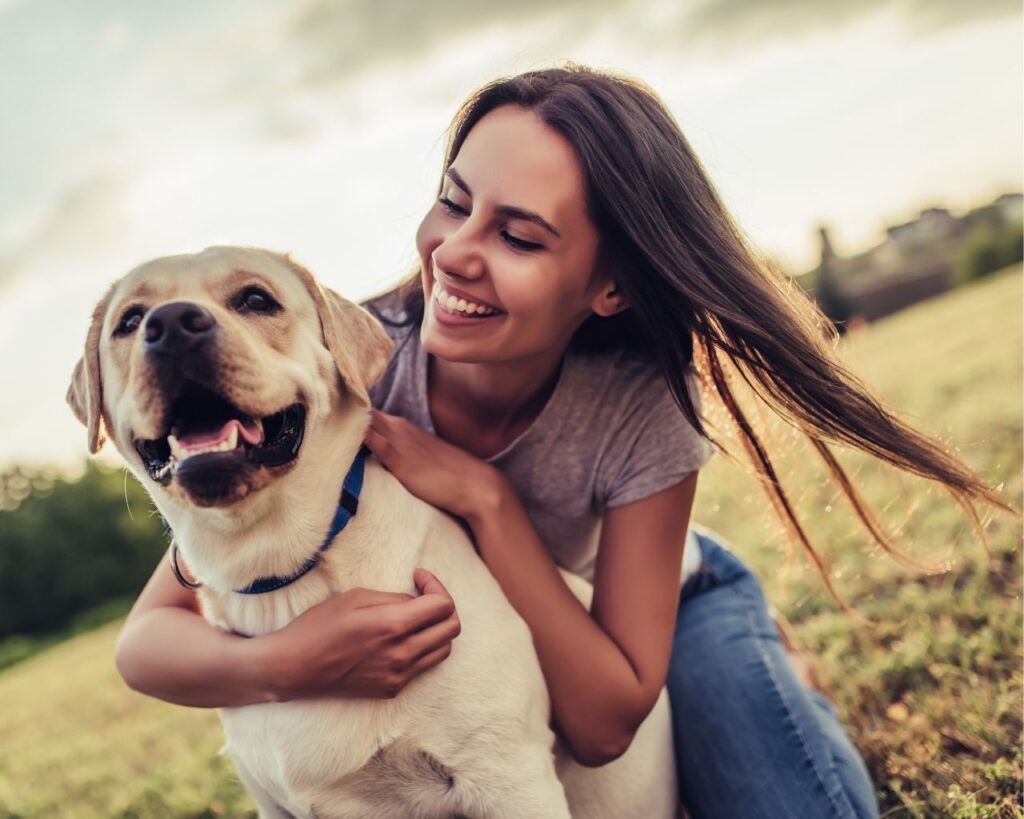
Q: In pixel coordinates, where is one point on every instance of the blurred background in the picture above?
(872, 149)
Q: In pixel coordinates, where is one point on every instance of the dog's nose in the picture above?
(177, 327)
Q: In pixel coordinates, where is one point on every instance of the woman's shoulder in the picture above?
(625, 377)
(626, 410)
(626, 395)
(389, 309)
(400, 321)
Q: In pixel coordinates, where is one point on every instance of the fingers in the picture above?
(378, 445)
(365, 598)
(423, 651)
(420, 652)
(417, 649)
(382, 420)
(430, 639)
(428, 583)
(429, 660)
(383, 436)
(413, 615)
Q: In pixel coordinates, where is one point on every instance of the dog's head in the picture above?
(209, 371)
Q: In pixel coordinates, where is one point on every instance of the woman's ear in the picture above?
(609, 300)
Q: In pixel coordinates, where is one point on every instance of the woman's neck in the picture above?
(481, 406)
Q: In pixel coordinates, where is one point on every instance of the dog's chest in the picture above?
(258, 614)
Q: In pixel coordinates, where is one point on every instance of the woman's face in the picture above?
(509, 234)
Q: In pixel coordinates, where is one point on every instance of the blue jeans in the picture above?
(752, 741)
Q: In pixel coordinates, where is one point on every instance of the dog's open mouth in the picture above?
(208, 431)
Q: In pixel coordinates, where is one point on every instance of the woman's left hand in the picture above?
(435, 471)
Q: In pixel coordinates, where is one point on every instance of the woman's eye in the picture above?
(257, 300)
(130, 321)
(519, 244)
(451, 207)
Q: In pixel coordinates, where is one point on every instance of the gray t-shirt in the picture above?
(609, 434)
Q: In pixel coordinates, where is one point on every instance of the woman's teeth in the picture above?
(454, 304)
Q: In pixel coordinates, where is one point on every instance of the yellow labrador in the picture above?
(235, 387)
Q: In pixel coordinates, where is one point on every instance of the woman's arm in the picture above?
(361, 643)
(167, 650)
(604, 670)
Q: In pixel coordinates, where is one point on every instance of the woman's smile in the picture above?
(455, 307)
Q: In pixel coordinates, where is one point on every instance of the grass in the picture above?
(19, 647)
(931, 694)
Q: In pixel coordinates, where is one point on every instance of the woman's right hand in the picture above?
(362, 643)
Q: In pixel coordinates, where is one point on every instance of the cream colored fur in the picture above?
(469, 737)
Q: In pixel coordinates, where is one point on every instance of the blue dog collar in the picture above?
(348, 505)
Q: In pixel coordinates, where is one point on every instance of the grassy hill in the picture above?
(932, 693)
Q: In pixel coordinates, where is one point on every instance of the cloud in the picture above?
(345, 37)
(84, 217)
(114, 36)
(338, 39)
(731, 23)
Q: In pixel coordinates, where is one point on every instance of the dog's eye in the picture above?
(256, 300)
(130, 321)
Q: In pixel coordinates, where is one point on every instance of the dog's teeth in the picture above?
(177, 451)
(180, 453)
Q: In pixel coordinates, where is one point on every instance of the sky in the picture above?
(133, 130)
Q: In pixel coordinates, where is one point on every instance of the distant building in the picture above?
(916, 260)
(1012, 206)
(934, 224)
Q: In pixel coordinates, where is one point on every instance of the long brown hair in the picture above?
(696, 289)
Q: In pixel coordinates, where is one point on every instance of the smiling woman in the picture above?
(571, 203)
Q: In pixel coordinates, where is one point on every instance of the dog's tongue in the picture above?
(249, 430)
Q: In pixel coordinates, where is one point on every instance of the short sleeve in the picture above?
(655, 446)
(387, 310)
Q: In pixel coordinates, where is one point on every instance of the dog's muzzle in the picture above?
(207, 441)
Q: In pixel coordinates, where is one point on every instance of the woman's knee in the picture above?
(750, 739)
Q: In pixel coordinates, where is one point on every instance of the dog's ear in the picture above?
(85, 393)
(355, 339)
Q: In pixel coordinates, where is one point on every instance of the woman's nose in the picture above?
(461, 253)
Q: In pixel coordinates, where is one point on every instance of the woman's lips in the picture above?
(450, 319)
(454, 317)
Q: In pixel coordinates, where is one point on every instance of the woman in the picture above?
(576, 260)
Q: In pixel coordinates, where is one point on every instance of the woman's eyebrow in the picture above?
(453, 175)
(508, 211)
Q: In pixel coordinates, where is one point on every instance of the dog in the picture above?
(234, 386)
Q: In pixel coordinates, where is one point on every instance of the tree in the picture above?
(68, 545)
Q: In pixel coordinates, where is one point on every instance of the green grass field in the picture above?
(932, 693)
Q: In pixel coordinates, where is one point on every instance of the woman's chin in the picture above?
(436, 341)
